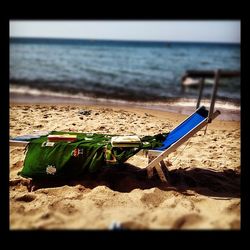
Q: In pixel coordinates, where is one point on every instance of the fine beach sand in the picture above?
(205, 177)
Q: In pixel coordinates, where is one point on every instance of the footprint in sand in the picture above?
(46, 216)
(187, 221)
(152, 198)
(64, 207)
(26, 198)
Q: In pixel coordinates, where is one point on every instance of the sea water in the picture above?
(123, 70)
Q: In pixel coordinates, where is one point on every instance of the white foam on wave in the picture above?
(78, 98)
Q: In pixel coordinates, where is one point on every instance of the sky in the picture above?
(190, 31)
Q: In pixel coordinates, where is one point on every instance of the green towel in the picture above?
(70, 159)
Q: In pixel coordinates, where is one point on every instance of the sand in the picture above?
(204, 189)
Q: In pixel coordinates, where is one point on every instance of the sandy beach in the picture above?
(204, 192)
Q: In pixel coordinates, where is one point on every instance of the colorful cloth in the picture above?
(90, 152)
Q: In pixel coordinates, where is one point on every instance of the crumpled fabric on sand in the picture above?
(89, 153)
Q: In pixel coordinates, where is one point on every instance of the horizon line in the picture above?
(122, 40)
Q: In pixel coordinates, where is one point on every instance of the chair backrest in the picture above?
(182, 129)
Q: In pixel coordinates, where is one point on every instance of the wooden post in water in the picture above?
(213, 97)
(200, 92)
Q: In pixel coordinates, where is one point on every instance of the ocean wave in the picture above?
(174, 101)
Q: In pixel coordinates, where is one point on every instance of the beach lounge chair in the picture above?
(190, 126)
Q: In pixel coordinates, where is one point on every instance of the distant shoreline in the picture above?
(93, 41)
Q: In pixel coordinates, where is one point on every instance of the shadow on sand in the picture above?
(126, 177)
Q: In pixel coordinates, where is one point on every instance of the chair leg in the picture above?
(161, 169)
(160, 173)
(150, 172)
(165, 167)
(163, 176)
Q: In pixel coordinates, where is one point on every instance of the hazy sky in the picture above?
(201, 31)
